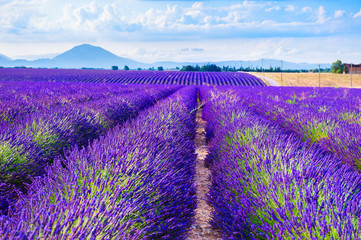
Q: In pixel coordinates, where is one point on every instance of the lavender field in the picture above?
(130, 77)
(87, 160)
(284, 161)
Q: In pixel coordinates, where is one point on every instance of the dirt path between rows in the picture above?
(201, 229)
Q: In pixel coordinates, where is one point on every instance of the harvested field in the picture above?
(312, 79)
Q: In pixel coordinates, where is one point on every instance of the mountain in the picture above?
(3, 57)
(267, 63)
(82, 56)
(89, 56)
(4, 60)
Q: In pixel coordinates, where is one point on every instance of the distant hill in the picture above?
(4, 58)
(89, 56)
(267, 63)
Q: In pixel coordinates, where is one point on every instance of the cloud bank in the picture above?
(112, 21)
(145, 27)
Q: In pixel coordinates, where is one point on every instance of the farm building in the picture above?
(356, 68)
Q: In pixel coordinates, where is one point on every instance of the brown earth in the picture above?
(201, 229)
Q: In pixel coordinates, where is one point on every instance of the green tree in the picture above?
(114, 67)
(337, 67)
(126, 68)
(345, 68)
(211, 68)
(160, 68)
(205, 68)
(188, 68)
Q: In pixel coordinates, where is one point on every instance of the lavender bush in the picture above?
(137, 182)
(131, 77)
(49, 129)
(269, 184)
(327, 116)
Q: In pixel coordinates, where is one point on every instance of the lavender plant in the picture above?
(137, 182)
(268, 184)
(49, 132)
(329, 117)
(18, 99)
(132, 77)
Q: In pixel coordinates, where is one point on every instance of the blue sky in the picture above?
(149, 31)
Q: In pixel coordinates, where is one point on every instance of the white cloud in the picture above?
(321, 15)
(318, 16)
(307, 10)
(290, 8)
(275, 8)
(16, 14)
(280, 52)
(192, 49)
(357, 15)
(110, 19)
(195, 11)
(339, 13)
(114, 21)
(232, 17)
(143, 52)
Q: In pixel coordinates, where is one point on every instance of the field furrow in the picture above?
(269, 184)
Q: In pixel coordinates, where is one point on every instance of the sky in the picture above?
(151, 31)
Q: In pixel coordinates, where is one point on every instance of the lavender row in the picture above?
(54, 129)
(268, 184)
(19, 99)
(135, 183)
(116, 110)
(329, 117)
(131, 77)
(25, 148)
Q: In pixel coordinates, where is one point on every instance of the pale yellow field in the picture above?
(312, 79)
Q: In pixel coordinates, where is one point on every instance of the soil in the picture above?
(201, 228)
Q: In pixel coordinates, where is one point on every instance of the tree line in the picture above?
(215, 68)
(337, 67)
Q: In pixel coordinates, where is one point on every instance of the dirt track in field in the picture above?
(201, 228)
